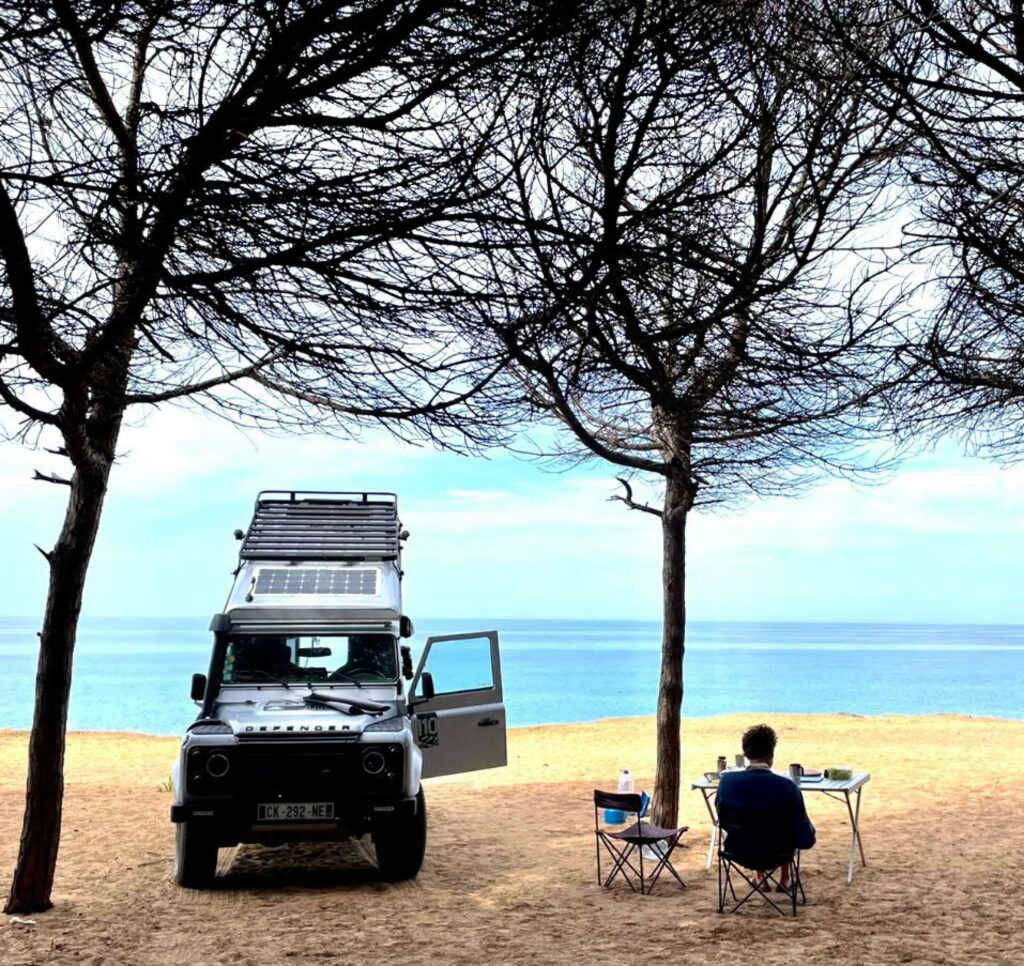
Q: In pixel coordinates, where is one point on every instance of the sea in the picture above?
(133, 674)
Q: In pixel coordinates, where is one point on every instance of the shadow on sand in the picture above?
(308, 865)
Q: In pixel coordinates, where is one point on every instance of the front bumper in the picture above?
(243, 815)
(231, 823)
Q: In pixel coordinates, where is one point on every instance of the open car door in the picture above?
(457, 699)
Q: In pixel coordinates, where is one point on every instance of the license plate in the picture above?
(295, 812)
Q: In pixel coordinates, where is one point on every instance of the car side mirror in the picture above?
(407, 662)
(405, 628)
(198, 687)
(427, 685)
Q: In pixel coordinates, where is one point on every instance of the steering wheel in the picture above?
(350, 672)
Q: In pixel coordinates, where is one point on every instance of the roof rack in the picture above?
(294, 525)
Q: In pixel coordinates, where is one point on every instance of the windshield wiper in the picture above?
(344, 676)
(266, 675)
(343, 705)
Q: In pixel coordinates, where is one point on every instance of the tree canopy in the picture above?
(683, 268)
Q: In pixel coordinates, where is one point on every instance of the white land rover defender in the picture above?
(306, 731)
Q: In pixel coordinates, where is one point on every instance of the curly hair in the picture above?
(759, 741)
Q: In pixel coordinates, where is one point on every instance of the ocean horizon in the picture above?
(133, 674)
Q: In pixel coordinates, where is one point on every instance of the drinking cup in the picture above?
(741, 762)
(796, 772)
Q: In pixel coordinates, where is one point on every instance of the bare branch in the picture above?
(91, 73)
(627, 498)
(36, 340)
(204, 385)
(51, 478)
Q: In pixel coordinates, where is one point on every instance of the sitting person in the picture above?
(774, 802)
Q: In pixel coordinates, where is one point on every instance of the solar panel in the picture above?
(302, 581)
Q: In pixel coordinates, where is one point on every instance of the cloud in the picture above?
(502, 537)
(175, 447)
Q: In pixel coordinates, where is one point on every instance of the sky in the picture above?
(502, 537)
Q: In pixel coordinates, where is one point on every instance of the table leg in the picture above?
(855, 840)
(714, 826)
(860, 841)
(711, 846)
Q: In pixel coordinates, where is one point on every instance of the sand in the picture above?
(509, 872)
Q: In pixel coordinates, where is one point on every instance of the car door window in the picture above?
(461, 665)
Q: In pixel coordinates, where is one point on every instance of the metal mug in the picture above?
(796, 772)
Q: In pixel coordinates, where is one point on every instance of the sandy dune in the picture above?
(509, 874)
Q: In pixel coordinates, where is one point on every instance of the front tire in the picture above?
(195, 855)
(400, 847)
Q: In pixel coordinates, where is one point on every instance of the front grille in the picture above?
(320, 773)
(298, 774)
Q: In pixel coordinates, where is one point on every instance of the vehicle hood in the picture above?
(279, 715)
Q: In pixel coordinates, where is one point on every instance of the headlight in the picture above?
(397, 723)
(373, 763)
(208, 770)
(217, 765)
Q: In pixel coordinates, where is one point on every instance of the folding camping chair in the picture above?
(626, 848)
(754, 846)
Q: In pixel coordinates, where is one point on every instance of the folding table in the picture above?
(839, 790)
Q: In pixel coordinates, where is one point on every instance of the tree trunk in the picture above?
(678, 501)
(69, 563)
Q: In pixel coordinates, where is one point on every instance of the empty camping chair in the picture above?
(754, 847)
(626, 848)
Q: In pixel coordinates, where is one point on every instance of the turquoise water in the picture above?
(133, 674)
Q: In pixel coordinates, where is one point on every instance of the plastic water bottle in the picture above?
(615, 816)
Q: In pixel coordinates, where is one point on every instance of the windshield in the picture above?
(319, 659)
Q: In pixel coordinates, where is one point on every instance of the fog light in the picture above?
(217, 765)
(373, 763)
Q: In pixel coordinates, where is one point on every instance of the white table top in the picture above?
(858, 779)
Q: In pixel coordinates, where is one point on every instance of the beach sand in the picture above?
(509, 873)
